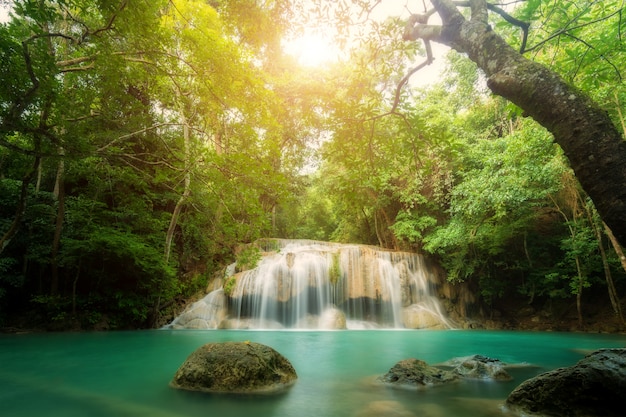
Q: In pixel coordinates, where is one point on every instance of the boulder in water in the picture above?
(235, 367)
(482, 367)
(415, 373)
(595, 386)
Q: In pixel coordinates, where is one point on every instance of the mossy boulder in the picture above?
(595, 386)
(235, 367)
(415, 374)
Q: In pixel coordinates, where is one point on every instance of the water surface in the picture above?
(127, 373)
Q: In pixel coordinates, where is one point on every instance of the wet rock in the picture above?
(235, 367)
(595, 386)
(415, 373)
(384, 408)
(244, 324)
(481, 367)
(332, 319)
(203, 314)
(417, 317)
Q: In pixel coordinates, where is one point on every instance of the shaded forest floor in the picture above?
(553, 315)
(510, 313)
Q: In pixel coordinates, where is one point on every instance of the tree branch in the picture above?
(13, 147)
(75, 61)
(588, 45)
(425, 32)
(87, 32)
(405, 79)
(525, 26)
(138, 132)
(567, 29)
(77, 69)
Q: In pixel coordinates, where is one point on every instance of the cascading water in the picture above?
(304, 284)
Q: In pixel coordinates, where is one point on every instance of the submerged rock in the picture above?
(595, 386)
(384, 408)
(235, 367)
(415, 373)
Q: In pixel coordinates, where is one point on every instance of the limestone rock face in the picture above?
(415, 373)
(206, 313)
(595, 386)
(244, 324)
(235, 367)
(417, 317)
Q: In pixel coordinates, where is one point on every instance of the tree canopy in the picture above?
(141, 143)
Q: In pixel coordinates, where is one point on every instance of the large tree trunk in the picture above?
(593, 145)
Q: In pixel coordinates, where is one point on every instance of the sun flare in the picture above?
(312, 49)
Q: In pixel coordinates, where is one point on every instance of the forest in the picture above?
(143, 143)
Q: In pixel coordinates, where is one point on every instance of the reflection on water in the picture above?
(127, 373)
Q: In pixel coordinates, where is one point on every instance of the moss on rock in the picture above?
(235, 367)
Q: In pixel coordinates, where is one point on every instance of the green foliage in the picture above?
(410, 227)
(502, 184)
(315, 216)
(135, 136)
(334, 272)
(183, 122)
(248, 258)
(229, 286)
(583, 41)
(9, 275)
(268, 245)
(53, 306)
(125, 269)
(581, 261)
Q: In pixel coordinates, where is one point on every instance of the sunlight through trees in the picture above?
(141, 143)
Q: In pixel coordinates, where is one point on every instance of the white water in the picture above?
(318, 285)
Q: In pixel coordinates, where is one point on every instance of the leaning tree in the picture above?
(594, 146)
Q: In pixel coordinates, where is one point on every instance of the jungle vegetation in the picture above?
(143, 142)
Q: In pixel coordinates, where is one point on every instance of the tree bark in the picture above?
(593, 145)
(186, 191)
(616, 246)
(59, 193)
(615, 300)
(610, 284)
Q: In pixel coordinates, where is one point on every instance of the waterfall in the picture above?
(303, 284)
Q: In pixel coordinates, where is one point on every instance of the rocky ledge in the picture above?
(235, 367)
